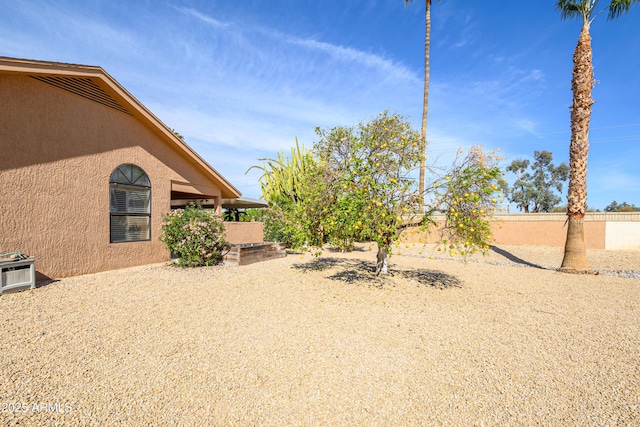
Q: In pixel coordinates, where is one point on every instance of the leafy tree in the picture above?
(621, 207)
(178, 134)
(361, 188)
(522, 190)
(575, 252)
(278, 225)
(425, 104)
(365, 175)
(535, 185)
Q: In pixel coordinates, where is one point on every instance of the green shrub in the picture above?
(195, 235)
(276, 226)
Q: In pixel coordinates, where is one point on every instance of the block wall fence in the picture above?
(611, 231)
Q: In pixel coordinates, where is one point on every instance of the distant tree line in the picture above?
(621, 207)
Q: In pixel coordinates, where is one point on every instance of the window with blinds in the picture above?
(130, 204)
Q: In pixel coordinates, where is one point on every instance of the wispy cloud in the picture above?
(270, 50)
(526, 124)
(215, 23)
(275, 80)
(468, 34)
(348, 54)
(455, 26)
(51, 24)
(247, 130)
(487, 108)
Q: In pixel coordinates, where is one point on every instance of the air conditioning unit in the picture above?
(17, 274)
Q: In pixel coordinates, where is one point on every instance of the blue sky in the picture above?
(242, 79)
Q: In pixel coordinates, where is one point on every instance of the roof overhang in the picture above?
(243, 203)
(43, 70)
(239, 203)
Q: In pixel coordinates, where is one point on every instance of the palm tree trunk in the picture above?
(425, 105)
(575, 252)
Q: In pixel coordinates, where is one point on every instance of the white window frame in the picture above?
(130, 179)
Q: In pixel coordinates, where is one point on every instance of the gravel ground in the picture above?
(495, 341)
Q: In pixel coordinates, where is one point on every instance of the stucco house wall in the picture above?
(58, 151)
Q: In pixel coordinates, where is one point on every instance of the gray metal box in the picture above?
(17, 275)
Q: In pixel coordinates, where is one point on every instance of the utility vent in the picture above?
(85, 88)
(16, 274)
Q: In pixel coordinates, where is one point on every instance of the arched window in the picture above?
(130, 194)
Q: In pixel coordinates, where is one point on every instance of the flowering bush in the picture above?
(195, 235)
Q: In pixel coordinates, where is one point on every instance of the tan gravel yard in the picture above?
(297, 342)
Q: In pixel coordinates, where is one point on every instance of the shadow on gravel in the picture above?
(337, 249)
(45, 282)
(435, 279)
(513, 258)
(320, 264)
(358, 271)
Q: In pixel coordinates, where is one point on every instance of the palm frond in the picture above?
(583, 9)
(620, 7)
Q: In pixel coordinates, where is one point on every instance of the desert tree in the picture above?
(365, 189)
(358, 184)
(537, 185)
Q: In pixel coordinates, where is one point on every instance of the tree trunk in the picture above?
(425, 104)
(575, 252)
(382, 258)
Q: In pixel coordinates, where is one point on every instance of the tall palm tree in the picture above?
(575, 253)
(425, 105)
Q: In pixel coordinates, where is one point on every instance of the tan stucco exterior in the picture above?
(57, 152)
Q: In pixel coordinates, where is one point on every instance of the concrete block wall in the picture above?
(603, 230)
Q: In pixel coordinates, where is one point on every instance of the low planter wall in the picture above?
(254, 252)
(239, 233)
